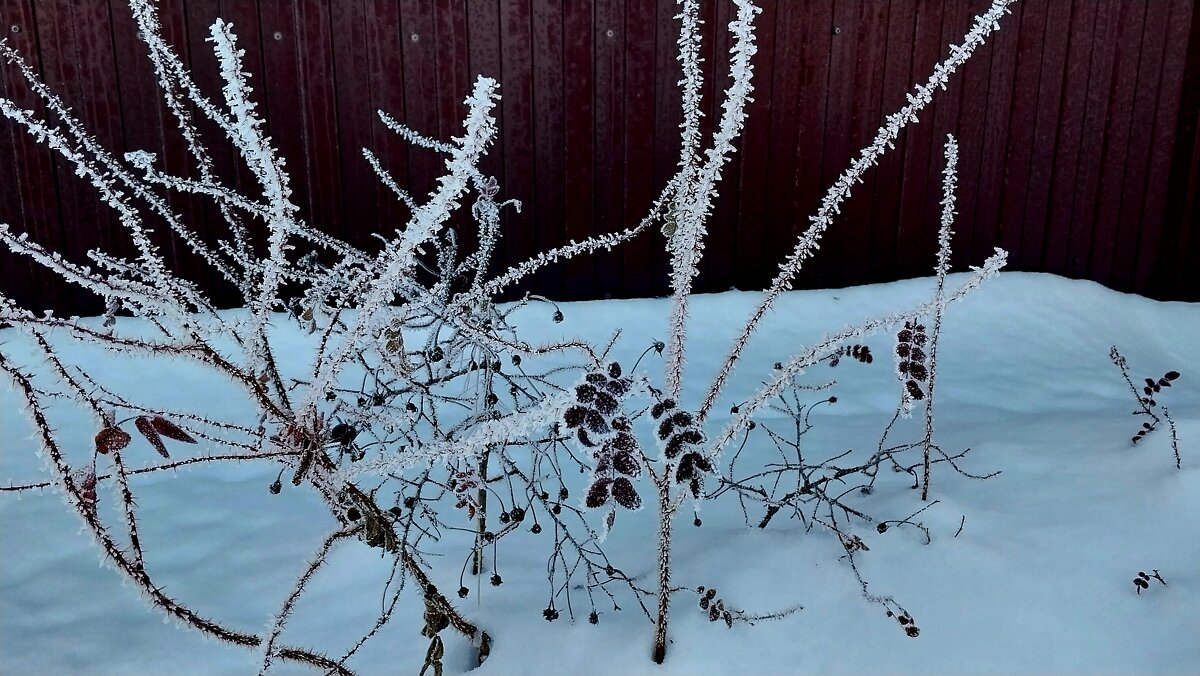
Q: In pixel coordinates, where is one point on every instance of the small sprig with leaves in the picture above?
(1142, 581)
(1148, 403)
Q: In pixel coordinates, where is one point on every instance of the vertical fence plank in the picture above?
(1104, 224)
(27, 174)
(799, 93)
(927, 51)
(608, 35)
(1166, 263)
(578, 168)
(640, 187)
(1051, 84)
(1022, 124)
(1083, 206)
(1130, 219)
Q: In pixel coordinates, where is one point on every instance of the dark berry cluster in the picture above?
(683, 439)
(910, 348)
(860, 352)
(601, 427)
(714, 606)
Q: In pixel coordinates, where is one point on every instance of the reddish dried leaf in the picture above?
(111, 439)
(146, 427)
(170, 430)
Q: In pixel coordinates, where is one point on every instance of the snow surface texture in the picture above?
(1038, 580)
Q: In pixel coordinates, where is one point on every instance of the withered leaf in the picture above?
(146, 427)
(170, 430)
(111, 439)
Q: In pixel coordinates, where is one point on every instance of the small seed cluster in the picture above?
(608, 435)
(906, 621)
(912, 366)
(682, 438)
(714, 606)
(860, 352)
(1142, 581)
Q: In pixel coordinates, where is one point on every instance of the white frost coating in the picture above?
(805, 358)
(267, 169)
(519, 425)
(397, 259)
(920, 97)
(693, 201)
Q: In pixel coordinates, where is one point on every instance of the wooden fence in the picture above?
(1077, 125)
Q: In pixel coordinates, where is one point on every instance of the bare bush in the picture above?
(421, 409)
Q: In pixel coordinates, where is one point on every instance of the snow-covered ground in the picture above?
(1038, 580)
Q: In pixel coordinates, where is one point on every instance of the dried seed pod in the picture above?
(598, 493)
(111, 439)
(574, 416)
(626, 464)
(585, 393)
(625, 495)
(661, 407)
(606, 403)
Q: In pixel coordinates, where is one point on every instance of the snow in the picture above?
(1038, 580)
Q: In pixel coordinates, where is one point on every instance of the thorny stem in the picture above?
(665, 514)
(114, 553)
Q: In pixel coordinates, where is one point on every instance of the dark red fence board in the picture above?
(1076, 130)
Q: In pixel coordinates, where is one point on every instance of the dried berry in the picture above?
(462, 592)
(558, 316)
(614, 370)
(275, 487)
(593, 618)
(343, 433)
(537, 528)
(353, 514)
(517, 514)
(912, 631)
(585, 393)
(497, 581)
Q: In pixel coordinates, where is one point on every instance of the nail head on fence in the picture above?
(277, 35)
(15, 28)
(610, 32)
(414, 37)
(837, 30)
